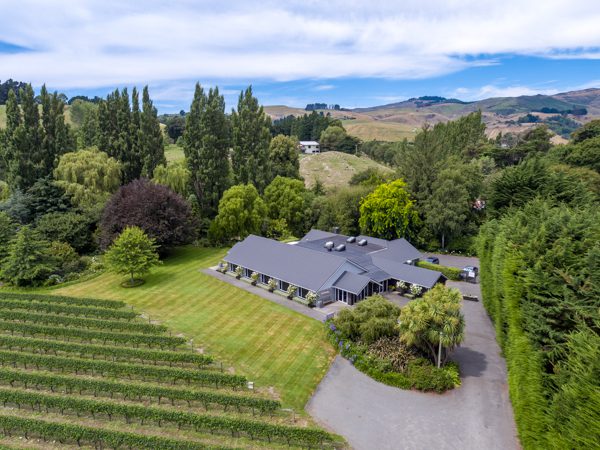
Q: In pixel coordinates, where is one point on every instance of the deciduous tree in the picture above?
(250, 139)
(283, 154)
(388, 212)
(241, 212)
(132, 253)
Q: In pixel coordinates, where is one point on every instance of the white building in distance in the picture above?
(310, 147)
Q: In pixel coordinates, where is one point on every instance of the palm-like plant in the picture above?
(433, 320)
(312, 298)
(254, 278)
(272, 284)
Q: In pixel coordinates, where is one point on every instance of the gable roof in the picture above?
(352, 282)
(291, 263)
(405, 272)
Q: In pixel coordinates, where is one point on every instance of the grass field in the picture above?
(368, 130)
(277, 348)
(334, 168)
(173, 152)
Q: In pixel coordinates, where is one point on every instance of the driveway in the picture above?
(477, 415)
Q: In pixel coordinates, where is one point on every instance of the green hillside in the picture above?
(334, 168)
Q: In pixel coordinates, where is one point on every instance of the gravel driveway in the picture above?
(477, 415)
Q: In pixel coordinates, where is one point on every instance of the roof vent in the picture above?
(351, 239)
(362, 242)
(340, 248)
(329, 245)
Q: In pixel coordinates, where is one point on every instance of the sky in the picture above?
(352, 52)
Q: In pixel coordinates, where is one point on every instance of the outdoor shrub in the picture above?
(291, 291)
(272, 284)
(392, 350)
(401, 286)
(254, 278)
(416, 290)
(238, 272)
(373, 318)
(312, 298)
(223, 266)
(452, 273)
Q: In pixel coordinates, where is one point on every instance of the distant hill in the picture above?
(398, 120)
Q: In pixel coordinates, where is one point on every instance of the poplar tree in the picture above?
(55, 132)
(25, 157)
(150, 142)
(206, 146)
(251, 138)
(7, 148)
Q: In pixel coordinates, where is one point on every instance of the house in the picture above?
(310, 147)
(334, 266)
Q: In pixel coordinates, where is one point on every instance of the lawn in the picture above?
(276, 348)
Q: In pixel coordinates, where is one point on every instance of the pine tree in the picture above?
(151, 143)
(206, 147)
(29, 261)
(251, 138)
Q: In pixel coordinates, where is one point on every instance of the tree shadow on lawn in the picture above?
(471, 362)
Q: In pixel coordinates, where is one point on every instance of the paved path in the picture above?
(478, 415)
(262, 292)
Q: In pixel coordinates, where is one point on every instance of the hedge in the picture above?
(108, 352)
(70, 384)
(50, 319)
(236, 426)
(97, 437)
(99, 303)
(452, 273)
(140, 371)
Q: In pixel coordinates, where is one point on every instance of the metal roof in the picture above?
(291, 263)
(310, 265)
(405, 272)
(352, 282)
(315, 235)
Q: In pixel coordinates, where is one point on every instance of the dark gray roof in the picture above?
(291, 263)
(405, 272)
(352, 282)
(314, 235)
(353, 251)
(400, 250)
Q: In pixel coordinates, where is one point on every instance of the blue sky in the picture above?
(293, 52)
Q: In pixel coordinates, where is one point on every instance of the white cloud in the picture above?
(93, 43)
(324, 87)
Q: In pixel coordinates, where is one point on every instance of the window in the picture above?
(283, 285)
(302, 292)
(264, 279)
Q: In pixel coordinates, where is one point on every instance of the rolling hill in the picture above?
(334, 168)
(398, 120)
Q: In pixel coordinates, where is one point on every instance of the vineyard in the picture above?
(92, 373)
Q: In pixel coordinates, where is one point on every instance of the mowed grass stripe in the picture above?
(266, 342)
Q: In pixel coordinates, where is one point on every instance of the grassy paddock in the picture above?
(271, 345)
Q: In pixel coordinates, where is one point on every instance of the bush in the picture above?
(452, 273)
(392, 350)
(372, 319)
(238, 272)
(272, 285)
(69, 227)
(67, 259)
(254, 278)
(379, 363)
(291, 291)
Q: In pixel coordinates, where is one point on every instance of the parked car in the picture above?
(469, 273)
(432, 260)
